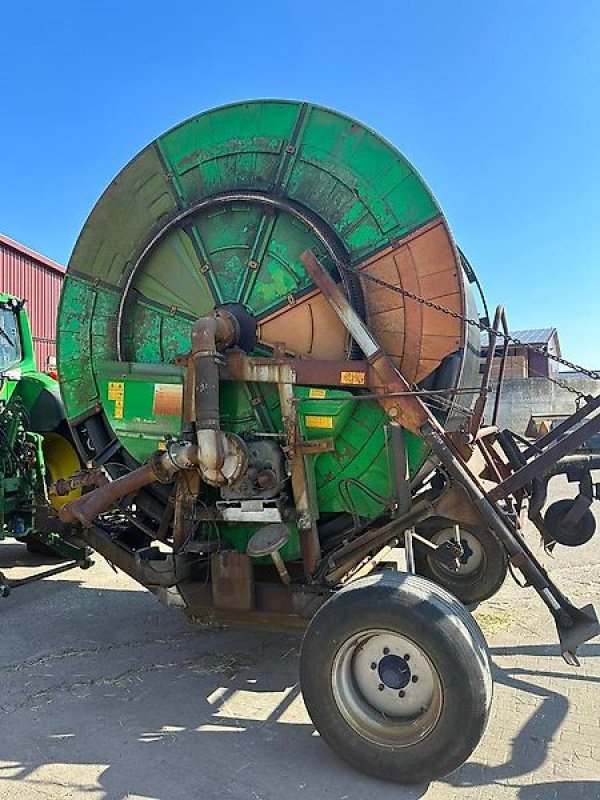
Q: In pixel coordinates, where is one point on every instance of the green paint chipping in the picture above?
(360, 188)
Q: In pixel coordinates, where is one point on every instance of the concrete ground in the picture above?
(105, 694)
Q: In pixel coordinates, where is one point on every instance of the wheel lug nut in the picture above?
(373, 665)
(401, 693)
(386, 650)
(415, 678)
(381, 687)
(407, 656)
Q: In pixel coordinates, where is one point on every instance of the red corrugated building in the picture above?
(31, 276)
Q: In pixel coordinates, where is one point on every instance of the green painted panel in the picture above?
(358, 182)
(235, 147)
(227, 234)
(243, 416)
(356, 477)
(172, 276)
(85, 333)
(127, 393)
(135, 204)
(280, 272)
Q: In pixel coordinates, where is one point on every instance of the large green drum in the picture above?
(218, 210)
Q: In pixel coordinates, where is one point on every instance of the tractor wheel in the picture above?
(61, 461)
(396, 677)
(482, 568)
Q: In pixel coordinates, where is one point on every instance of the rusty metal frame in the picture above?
(480, 403)
(574, 625)
(546, 459)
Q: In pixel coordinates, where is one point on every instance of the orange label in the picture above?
(168, 399)
(353, 378)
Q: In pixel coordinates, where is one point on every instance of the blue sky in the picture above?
(497, 104)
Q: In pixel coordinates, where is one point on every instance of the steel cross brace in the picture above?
(574, 625)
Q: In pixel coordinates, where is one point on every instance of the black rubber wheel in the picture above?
(569, 537)
(396, 677)
(483, 565)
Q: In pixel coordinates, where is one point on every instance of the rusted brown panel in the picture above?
(309, 327)
(324, 373)
(440, 284)
(393, 346)
(413, 314)
(385, 269)
(168, 399)
(433, 251)
(434, 348)
(451, 302)
(306, 372)
(273, 605)
(416, 234)
(232, 581)
(424, 263)
(436, 323)
(379, 301)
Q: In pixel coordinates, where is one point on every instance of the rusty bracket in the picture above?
(312, 448)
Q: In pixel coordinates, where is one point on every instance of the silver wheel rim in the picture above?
(386, 688)
(473, 557)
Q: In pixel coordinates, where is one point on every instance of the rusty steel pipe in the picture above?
(210, 334)
(206, 358)
(162, 467)
(81, 479)
(85, 509)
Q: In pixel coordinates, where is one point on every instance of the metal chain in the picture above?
(563, 385)
(478, 324)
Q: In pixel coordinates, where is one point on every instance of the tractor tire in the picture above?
(482, 568)
(396, 677)
(61, 461)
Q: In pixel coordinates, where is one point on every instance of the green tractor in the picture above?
(37, 457)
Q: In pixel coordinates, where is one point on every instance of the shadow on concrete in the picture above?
(529, 749)
(161, 709)
(583, 651)
(111, 692)
(561, 790)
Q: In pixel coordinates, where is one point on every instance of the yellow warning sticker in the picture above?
(317, 394)
(318, 422)
(352, 378)
(116, 390)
